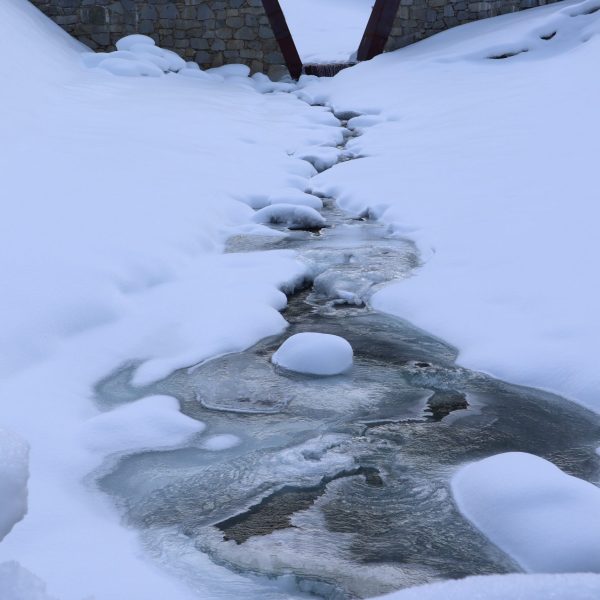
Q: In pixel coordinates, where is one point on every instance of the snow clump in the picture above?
(315, 354)
(290, 215)
(295, 197)
(548, 521)
(222, 441)
(136, 56)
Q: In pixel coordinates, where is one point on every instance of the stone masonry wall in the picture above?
(419, 19)
(210, 32)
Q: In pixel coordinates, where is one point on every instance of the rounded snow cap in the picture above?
(315, 354)
(128, 41)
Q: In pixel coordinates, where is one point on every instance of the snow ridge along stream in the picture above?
(336, 486)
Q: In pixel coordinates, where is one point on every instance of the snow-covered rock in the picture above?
(136, 39)
(154, 421)
(546, 520)
(14, 472)
(295, 197)
(231, 70)
(315, 354)
(290, 215)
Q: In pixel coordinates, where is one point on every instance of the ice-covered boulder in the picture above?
(315, 354)
(290, 215)
(14, 472)
(548, 521)
(296, 197)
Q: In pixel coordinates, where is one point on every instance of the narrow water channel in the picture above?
(340, 483)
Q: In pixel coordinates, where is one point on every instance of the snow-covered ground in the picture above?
(118, 194)
(490, 164)
(327, 30)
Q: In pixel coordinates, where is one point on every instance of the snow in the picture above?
(17, 583)
(152, 422)
(315, 354)
(14, 472)
(292, 216)
(222, 441)
(119, 197)
(548, 521)
(490, 166)
(296, 197)
(327, 30)
(504, 587)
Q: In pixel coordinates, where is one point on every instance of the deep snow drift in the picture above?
(490, 164)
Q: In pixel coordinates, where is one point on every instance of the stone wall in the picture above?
(419, 19)
(210, 32)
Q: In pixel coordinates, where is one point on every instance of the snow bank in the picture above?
(490, 165)
(119, 196)
(546, 520)
(151, 422)
(14, 472)
(507, 587)
(314, 354)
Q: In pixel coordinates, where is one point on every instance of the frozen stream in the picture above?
(339, 486)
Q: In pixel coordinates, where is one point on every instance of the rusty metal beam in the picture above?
(283, 37)
(378, 29)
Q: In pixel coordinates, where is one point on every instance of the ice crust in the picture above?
(548, 521)
(315, 354)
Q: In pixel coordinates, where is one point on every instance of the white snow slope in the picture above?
(327, 30)
(491, 165)
(117, 194)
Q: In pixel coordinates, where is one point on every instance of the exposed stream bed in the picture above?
(341, 482)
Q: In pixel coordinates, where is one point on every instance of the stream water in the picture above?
(341, 483)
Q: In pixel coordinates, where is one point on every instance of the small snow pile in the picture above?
(545, 519)
(14, 472)
(17, 583)
(295, 197)
(147, 423)
(223, 441)
(136, 56)
(506, 587)
(290, 215)
(315, 354)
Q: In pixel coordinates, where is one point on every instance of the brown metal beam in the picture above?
(378, 29)
(283, 37)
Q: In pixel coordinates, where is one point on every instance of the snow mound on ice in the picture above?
(151, 422)
(17, 583)
(545, 519)
(290, 215)
(295, 197)
(506, 587)
(223, 441)
(14, 472)
(315, 354)
(136, 56)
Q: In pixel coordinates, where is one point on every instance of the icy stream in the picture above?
(339, 485)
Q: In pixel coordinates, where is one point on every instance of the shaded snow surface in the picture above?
(490, 165)
(548, 521)
(314, 354)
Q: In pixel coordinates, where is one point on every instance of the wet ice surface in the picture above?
(340, 483)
